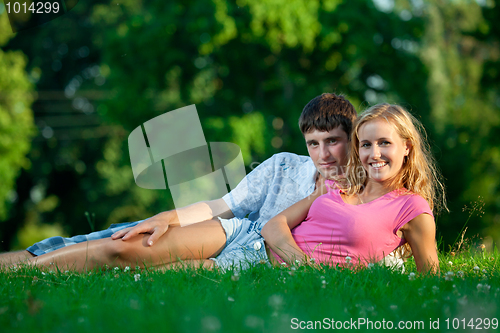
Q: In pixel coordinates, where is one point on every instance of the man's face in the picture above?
(328, 151)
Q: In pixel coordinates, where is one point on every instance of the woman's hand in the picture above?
(341, 183)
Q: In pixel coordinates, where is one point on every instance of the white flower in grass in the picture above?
(484, 288)
(283, 264)
(484, 271)
(210, 324)
(126, 269)
(460, 274)
(137, 277)
(411, 276)
(275, 301)
(14, 268)
(235, 277)
(476, 268)
(449, 276)
(230, 299)
(312, 260)
(450, 263)
(116, 269)
(297, 262)
(348, 259)
(462, 300)
(371, 265)
(293, 268)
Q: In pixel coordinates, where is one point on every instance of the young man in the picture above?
(276, 184)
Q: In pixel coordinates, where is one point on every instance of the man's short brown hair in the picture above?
(326, 112)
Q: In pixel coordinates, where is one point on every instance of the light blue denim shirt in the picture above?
(273, 186)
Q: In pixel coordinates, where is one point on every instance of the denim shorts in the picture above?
(244, 245)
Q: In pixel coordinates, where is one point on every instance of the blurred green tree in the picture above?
(16, 117)
(464, 109)
(250, 66)
(62, 182)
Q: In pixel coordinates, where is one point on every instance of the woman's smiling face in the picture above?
(381, 150)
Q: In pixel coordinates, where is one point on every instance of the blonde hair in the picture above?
(418, 174)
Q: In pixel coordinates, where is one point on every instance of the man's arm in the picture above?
(277, 232)
(248, 196)
(159, 224)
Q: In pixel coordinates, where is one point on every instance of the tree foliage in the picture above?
(16, 117)
(250, 66)
(464, 112)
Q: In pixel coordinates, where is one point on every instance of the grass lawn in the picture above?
(261, 299)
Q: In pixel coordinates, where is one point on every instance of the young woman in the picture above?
(393, 188)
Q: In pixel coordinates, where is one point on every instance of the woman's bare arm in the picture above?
(420, 233)
(277, 232)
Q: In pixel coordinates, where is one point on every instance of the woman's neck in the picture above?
(374, 190)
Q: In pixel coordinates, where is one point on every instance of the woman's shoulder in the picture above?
(414, 201)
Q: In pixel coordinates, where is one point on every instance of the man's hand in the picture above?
(341, 183)
(157, 226)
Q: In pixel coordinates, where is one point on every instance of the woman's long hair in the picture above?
(419, 173)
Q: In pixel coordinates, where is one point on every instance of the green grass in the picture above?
(261, 299)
